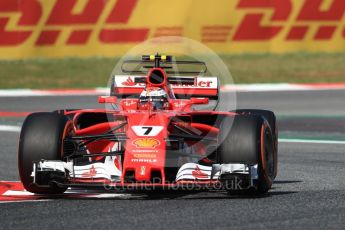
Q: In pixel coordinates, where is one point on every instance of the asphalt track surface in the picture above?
(307, 194)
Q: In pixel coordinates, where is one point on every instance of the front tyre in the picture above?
(272, 121)
(248, 140)
(40, 138)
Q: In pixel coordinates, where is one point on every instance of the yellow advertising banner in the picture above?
(83, 28)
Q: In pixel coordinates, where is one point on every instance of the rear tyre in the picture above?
(272, 121)
(40, 138)
(249, 140)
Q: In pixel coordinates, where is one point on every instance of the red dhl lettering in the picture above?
(251, 27)
(256, 24)
(311, 11)
(62, 16)
(30, 14)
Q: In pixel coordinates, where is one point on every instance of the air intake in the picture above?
(157, 77)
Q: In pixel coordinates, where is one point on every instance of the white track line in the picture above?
(22, 201)
(44, 93)
(306, 141)
(263, 87)
(271, 87)
(30, 197)
(10, 128)
(260, 87)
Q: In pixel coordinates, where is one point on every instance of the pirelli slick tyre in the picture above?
(248, 139)
(40, 138)
(272, 121)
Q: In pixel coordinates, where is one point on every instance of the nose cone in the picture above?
(146, 147)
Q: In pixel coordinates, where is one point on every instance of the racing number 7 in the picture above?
(148, 130)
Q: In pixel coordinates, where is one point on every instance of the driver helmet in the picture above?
(153, 98)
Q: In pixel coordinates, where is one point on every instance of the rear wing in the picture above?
(183, 87)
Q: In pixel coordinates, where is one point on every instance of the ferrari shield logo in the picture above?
(142, 170)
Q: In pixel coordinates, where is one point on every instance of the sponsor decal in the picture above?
(197, 173)
(91, 173)
(145, 151)
(90, 27)
(145, 155)
(136, 160)
(179, 104)
(129, 103)
(201, 84)
(128, 82)
(144, 158)
(146, 143)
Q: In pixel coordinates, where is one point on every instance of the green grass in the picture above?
(247, 68)
(292, 68)
(56, 73)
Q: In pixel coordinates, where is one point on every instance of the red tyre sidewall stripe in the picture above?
(263, 157)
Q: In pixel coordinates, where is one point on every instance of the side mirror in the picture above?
(199, 100)
(107, 99)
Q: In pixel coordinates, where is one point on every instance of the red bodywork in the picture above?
(144, 154)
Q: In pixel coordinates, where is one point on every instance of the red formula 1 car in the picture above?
(152, 138)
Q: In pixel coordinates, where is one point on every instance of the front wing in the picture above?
(104, 174)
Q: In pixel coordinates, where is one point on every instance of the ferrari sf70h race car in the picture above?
(153, 137)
